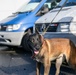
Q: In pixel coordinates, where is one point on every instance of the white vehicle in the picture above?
(61, 22)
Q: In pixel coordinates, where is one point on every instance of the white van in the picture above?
(61, 22)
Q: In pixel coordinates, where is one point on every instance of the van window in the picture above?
(69, 3)
(47, 7)
(30, 6)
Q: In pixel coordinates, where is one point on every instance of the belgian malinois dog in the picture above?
(46, 50)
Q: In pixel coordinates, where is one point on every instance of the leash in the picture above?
(54, 17)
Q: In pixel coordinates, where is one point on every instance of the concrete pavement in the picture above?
(20, 63)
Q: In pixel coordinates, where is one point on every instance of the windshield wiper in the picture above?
(18, 13)
(22, 12)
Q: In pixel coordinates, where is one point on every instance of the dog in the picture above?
(46, 50)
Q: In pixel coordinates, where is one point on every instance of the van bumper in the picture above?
(11, 38)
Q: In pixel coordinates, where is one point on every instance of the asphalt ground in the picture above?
(19, 62)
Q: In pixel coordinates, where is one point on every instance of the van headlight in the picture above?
(13, 27)
(63, 27)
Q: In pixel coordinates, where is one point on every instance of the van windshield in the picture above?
(30, 6)
(68, 3)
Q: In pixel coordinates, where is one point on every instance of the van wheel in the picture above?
(25, 42)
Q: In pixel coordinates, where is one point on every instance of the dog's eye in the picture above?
(37, 39)
(33, 40)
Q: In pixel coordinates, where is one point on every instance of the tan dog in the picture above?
(47, 50)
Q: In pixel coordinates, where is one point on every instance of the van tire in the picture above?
(25, 42)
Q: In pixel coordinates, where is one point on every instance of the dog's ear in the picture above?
(37, 32)
(29, 32)
(42, 38)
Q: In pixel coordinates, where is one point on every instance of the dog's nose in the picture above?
(37, 47)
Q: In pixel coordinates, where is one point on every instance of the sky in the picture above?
(7, 7)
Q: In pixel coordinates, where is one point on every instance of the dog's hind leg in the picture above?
(59, 61)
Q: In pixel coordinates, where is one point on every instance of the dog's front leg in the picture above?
(58, 64)
(38, 65)
(47, 65)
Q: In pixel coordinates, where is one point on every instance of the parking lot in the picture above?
(19, 62)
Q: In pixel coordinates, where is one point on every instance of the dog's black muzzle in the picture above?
(34, 48)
